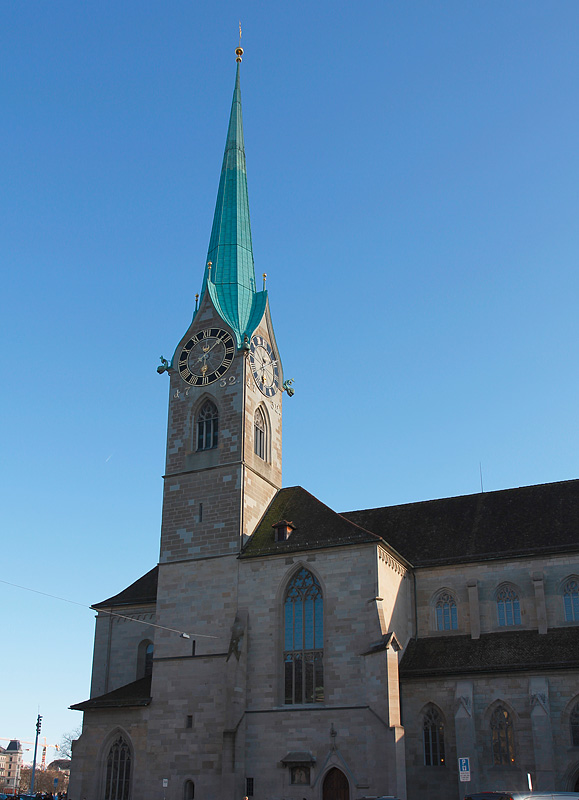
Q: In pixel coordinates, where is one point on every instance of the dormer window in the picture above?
(283, 530)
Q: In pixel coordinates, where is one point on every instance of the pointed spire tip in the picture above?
(239, 50)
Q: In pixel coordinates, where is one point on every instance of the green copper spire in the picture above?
(231, 278)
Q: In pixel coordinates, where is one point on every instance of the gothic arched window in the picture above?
(502, 738)
(433, 738)
(207, 426)
(571, 599)
(260, 435)
(189, 790)
(508, 607)
(303, 640)
(574, 723)
(118, 776)
(446, 616)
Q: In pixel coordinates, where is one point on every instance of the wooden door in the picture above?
(335, 786)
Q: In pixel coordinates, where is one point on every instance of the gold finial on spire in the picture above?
(239, 50)
(196, 301)
(209, 265)
(264, 279)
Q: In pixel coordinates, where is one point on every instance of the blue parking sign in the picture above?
(464, 769)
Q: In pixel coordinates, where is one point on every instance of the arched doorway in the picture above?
(576, 787)
(335, 786)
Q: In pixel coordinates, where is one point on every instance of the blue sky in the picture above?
(413, 178)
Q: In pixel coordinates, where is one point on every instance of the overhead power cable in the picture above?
(183, 634)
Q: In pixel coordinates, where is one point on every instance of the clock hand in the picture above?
(213, 345)
(205, 355)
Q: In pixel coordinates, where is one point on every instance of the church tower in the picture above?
(223, 467)
(223, 462)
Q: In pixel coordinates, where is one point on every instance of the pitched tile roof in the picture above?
(532, 519)
(507, 651)
(315, 526)
(137, 693)
(143, 590)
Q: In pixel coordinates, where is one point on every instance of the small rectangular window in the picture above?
(249, 787)
(189, 722)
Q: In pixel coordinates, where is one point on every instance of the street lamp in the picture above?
(38, 727)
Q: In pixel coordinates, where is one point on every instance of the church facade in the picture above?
(280, 649)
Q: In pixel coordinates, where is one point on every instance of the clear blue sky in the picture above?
(413, 177)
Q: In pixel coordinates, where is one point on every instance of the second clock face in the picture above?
(206, 357)
(263, 366)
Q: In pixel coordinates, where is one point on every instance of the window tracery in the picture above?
(571, 600)
(502, 737)
(433, 738)
(260, 434)
(118, 771)
(446, 613)
(207, 426)
(508, 607)
(574, 725)
(303, 640)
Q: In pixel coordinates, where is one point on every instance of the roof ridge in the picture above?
(461, 496)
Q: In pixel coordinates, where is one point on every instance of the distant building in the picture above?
(60, 765)
(323, 656)
(3, 762)
(10, 766)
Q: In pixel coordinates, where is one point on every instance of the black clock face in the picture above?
(206, 357)
(263, 366)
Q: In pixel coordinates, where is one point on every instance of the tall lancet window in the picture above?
(502, 737)
(304, 640)
(433, 738)
(571, 600)
(118, 777)
(260, 434)
(574, 723)
(207, 426)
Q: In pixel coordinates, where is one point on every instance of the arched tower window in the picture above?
(207, 426)
(145, 658)
(502, 738)
(118, 775)
(571, 599)
(508, 606)
(149, 659)
(433, 738)
(445, 609)
(189, 790)
(260, 435)
(574, 724)
(303, 640)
